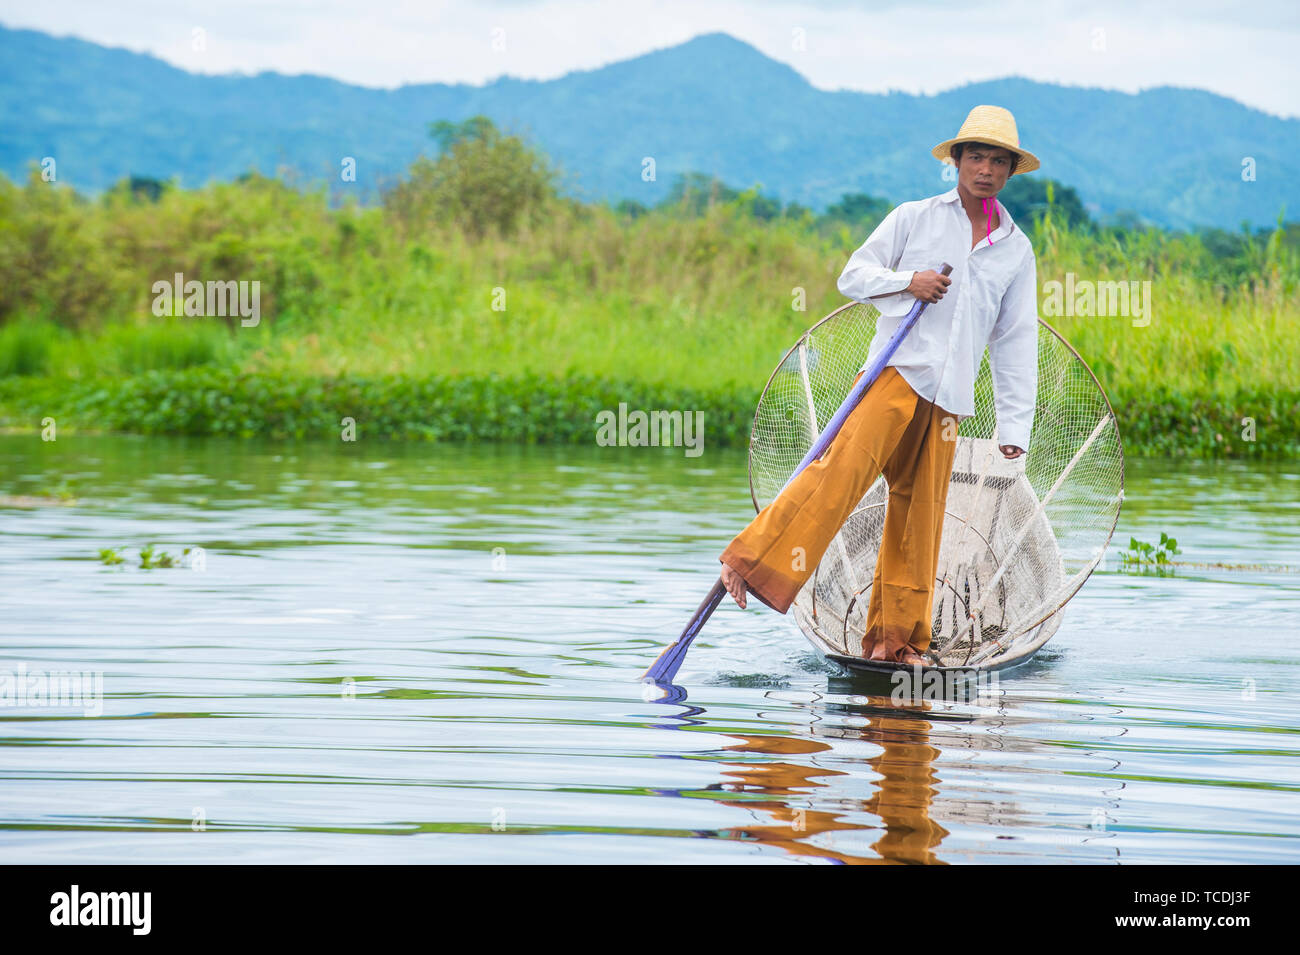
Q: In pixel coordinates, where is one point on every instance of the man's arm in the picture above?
(870, 270)
(1013, 357)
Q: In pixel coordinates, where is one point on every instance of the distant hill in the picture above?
(713, 104)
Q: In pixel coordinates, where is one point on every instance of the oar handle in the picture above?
(866, 381)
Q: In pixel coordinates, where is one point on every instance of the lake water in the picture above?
(405, 654)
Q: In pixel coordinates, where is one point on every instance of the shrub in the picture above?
(482, 181)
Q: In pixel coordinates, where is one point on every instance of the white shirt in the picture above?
(993, 301)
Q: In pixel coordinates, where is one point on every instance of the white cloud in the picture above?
(1245, 52)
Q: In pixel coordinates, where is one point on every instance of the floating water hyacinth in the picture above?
(1143, 556)
(150, 557)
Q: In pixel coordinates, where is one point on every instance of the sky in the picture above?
(1246, 51)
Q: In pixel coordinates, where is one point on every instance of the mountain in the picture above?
(713, 104)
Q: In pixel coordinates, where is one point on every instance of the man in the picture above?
(905, 425)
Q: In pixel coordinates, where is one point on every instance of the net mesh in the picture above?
(1019, 537)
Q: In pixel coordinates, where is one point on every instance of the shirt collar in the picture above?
(1005, 227)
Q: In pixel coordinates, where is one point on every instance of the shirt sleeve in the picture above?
(870, 273)
(1013, 357)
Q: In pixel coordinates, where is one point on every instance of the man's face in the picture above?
(983, 170)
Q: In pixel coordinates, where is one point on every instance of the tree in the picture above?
(693, 192)
(859, 209)
(1026, 198)
(483, 180)
(631, 208)
(139, 189)
(146, 188)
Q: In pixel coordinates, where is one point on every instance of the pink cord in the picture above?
(988, 229)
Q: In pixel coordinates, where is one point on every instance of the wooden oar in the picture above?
(670, 660)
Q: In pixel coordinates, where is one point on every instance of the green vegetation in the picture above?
(150, 557)
(225, 401)
(1143, 556)
(481, 181)
(476, 303)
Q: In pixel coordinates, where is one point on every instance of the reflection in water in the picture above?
(778, 784)
(904, 790)
(784, 790)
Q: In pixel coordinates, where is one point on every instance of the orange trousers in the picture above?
(893, 431)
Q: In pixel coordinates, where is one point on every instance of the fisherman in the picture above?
(906, 424)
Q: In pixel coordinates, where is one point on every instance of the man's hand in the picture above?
(1010, 450)
(929, 286)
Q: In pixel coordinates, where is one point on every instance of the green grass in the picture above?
(26, 348)
(396, 315)
(38, 347)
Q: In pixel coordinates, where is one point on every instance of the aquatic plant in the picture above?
(1142, 556)
(150, 557)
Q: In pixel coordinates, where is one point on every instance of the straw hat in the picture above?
(995, 126)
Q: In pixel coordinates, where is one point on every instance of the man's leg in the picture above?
(900, 608)
(781, 547)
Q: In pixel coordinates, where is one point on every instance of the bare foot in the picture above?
(906, 654)
(735, 585)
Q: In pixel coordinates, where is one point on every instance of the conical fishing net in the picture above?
(1020, 536)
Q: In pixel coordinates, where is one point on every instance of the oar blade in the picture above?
(665, 668)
